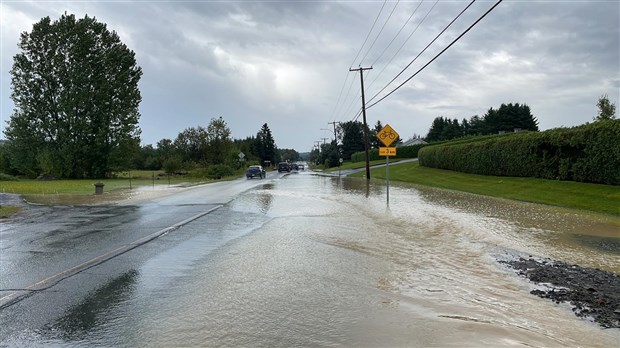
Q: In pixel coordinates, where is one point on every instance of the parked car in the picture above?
(283, 167)
(255, 171)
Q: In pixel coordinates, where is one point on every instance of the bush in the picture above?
(401, 152)
(7, 177)
(587, 153)
(218, 171)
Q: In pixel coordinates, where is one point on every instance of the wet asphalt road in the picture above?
(48, 255)
(295, 260)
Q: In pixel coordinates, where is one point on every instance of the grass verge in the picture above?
(593, 197)
(358, 165)
(8, 210)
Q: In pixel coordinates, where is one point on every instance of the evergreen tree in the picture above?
(266, 149)
(352, 138)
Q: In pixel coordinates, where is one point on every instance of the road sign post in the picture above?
(387, 135)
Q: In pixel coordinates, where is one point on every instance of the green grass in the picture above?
(8, 210)
(34, 187)
(358, 165)
(570, 194)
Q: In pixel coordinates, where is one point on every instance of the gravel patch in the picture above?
(591, 292)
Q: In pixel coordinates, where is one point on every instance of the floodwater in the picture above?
(317, 261)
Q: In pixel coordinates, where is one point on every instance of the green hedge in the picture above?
(401, 152)
(587, 153)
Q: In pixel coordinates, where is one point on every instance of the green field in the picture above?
(83, 191)
(358, 165)
(7, 210)
(570, 194)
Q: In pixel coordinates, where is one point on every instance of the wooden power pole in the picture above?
(361, 70)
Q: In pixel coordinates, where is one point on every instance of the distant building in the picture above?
(412, 141)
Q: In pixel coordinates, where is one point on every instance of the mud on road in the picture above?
(592, 293)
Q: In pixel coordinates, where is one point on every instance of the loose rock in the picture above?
(592, 292)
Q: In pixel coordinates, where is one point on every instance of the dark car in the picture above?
(294, 167)
(255, 171)
(283, 167)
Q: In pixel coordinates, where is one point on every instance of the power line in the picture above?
(354, 59)
(347, 96)
(424, 50)
(368, 35)
(380, 31)
(395, 36)
(405, 42)
(439, 54)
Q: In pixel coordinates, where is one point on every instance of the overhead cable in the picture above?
(380, 31)
(439, 54)
(395, 36)
(403, 44)
(424, 50)
(368, 35)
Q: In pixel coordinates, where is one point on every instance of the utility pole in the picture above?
(335, 139)
(324, 140)
(361, 70)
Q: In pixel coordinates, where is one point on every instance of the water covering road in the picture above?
(304, 260)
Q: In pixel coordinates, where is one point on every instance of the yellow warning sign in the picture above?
(387, 135)
(387, 151)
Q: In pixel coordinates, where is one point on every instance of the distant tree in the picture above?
(172, 165)
(509, 117)
(314, 156)
(373, 141)
(289, 155)
(476, 126)
(265, 145)
(191, 145)
(606, 109)
(435, 133)
(165, 149)
(76, 97)
(352, 133)
(219, 143)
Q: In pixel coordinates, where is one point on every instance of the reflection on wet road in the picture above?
(314, 261)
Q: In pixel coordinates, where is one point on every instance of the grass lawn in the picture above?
(570, 194)
(358, 165)
(7, 210)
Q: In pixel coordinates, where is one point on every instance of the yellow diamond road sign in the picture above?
(387, 135)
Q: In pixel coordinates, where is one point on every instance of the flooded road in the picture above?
(305, 260)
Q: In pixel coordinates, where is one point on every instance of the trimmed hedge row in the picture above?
(401, 152)
(587, 153)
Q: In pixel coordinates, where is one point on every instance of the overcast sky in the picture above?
(286, 63)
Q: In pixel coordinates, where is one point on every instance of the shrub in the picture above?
(587, 153)
(218, 171)
(7, 177)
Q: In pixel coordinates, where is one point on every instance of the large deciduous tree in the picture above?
(218, 141)
(76, 96)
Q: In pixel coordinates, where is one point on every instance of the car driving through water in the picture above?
(255, 171)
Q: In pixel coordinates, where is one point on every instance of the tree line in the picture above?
(507, 118)
(349, 139)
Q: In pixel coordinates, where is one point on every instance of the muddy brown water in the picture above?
(318, 261)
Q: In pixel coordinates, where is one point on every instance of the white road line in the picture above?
(54, 279)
